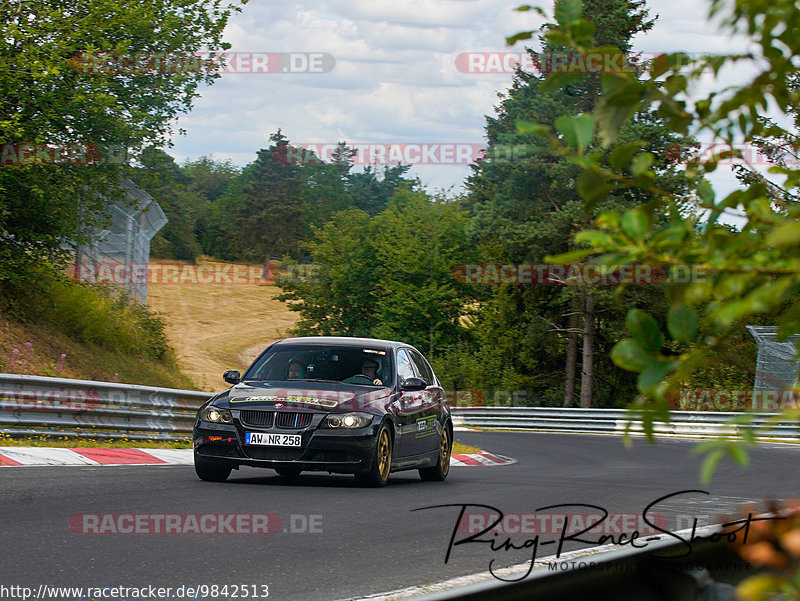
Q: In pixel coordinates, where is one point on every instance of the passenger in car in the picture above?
(295, 371)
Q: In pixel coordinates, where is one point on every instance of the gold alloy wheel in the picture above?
(384, 454)
(444, 452)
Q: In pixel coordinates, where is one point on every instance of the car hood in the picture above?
(319, 396)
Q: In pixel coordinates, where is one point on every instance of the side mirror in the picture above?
(413, 384)
(232, 376)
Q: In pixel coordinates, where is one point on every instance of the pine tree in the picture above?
(525, 208)
(268, 214)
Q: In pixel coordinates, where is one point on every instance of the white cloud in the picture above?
(456, 14)
(395, 78)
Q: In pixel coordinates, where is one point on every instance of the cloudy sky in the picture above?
(399, 78)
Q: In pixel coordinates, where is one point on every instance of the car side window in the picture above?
(423, 368)
(405, 369)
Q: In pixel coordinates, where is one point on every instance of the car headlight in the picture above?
(217, 415)
(347, 420)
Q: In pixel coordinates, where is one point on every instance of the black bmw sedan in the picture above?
(342, 405)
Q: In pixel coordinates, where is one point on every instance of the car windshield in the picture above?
(363, 366)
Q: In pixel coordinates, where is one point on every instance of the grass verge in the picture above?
(465, 449)
(72, 442)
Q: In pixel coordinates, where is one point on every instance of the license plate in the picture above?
(272, 440)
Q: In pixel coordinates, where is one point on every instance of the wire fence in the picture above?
(777, 362)
(124, 246)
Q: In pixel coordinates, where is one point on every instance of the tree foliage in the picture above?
(273, 205)
(387, 276)
(77, 124)
(175, 193)
(525, 206)
(747, 272)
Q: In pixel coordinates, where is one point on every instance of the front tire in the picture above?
(438, 473)
(378, 475)
(211, 472)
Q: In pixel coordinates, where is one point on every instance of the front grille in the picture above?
(292, 419)
(257, 418)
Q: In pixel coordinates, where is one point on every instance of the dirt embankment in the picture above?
(218, 326)
(41, 350)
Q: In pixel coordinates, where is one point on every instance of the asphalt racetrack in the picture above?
(334, 539)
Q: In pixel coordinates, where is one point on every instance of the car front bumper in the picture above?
(322, 449)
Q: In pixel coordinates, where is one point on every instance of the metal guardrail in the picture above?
(38, 405)
(657, 572)
(42, 406)
(615, 421)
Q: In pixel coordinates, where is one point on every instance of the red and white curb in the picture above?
(22, 456)
(482, 458)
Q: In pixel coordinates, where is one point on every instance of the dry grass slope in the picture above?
(40, 349)
(215, 327)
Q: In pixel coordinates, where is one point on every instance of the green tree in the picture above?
(525, 207)
(173, 190)
(210, 179)
(274, 204)
(387, 276)
(324, 192)
(370, 192)
(339, 296)
(747, 273)
(83, 117)
(266, 215)
(417, 242)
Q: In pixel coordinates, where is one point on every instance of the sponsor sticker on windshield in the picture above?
(289, 399)
(374, 351)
